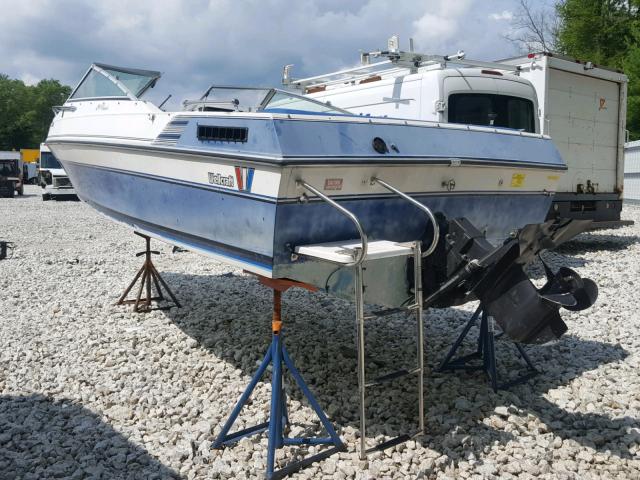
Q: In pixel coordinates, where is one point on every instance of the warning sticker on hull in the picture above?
(517, 179)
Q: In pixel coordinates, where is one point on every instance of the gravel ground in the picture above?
(92, 390)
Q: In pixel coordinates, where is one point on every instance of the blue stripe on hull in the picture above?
(236, 227)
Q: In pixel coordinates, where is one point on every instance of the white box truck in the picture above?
(52, 178)
(580, 106)
(583, 108)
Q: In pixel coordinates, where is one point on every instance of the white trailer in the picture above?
(583, 108)
(632, 172)
(580, 106)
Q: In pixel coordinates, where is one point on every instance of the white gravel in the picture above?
(92, 390)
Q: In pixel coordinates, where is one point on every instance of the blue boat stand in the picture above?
(486, 353)
(278, 357)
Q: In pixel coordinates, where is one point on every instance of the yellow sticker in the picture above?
(517, 179)
(553, 178)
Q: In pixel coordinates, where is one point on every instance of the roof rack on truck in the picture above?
(394, 61)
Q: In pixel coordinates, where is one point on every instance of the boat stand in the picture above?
(278, 357)
(147, 274)
(486, 353)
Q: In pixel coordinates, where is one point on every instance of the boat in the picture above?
(248, 175)
(399, 213)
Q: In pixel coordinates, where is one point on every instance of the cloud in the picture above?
(501, 16)
(199, 42)
(437, 28)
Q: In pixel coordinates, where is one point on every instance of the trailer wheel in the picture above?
(45, 197)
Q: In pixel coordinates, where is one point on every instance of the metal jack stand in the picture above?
(278, 357)
(486, 352)
(148, 273)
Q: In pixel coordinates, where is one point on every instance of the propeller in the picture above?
(568, 289)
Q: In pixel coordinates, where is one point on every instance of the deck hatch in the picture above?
(212, 133)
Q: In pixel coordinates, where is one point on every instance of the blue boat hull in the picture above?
(258, 233)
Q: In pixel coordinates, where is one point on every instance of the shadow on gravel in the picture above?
(45, 438)
(588, 242)
(566, 255)
(230, 316)
(26, 195)
(559, 365)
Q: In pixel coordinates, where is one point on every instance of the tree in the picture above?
(606, 32)
(25, 111)
(534, 29)
(631, 66)
(596, 30)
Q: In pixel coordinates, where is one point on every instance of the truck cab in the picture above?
(52, 178)
(10, 175)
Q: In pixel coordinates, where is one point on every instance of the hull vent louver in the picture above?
(171, 133)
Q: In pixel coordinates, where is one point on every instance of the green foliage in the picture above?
(606, 32)
(25, 111)
(631, 66)
(595, 30)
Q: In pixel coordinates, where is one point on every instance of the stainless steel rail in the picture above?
(63, 108)
(360, 343)
(424, 208)
(362, 252)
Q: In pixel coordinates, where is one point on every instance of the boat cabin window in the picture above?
(96, 85)
(502, 111)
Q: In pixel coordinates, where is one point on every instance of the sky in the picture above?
(197, 43)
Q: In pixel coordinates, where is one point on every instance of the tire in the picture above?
(45, 197)
(21, 190)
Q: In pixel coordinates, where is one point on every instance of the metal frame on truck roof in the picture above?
(396, 60)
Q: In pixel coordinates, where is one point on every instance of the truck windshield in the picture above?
(8, 168)
(47, 160)
(492, 110)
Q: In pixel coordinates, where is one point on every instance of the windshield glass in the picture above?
(8, 168)
(47, 160)
(286, 101)
(258, 99)
(105, 81)
(96, 85)
(236, 98)
(136, 82)
(492, 110)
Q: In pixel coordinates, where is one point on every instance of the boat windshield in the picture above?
(106, 81)
(248, 99)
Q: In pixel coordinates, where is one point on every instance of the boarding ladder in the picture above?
(354, 254)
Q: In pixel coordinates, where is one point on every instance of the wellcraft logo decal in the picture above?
(219, 179)
(244, 177)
